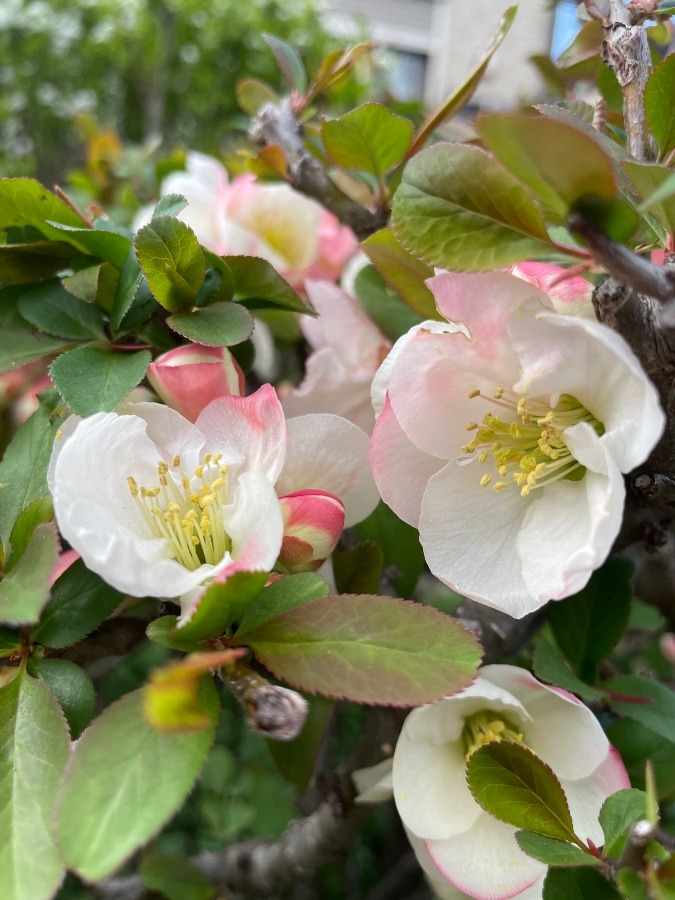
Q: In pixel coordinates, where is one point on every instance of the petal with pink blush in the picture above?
(313, 523)
(585, 796)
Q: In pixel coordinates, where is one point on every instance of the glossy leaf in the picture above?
(368, 649)
(23, 469)
(80, 601)
(370, 138)
(559, 163)
(258, 285)
(577, 884)
(101, 243)
(175, 878)
(25, 589)
(636, 743)
(217, 325)
(550, 666)
(49, 307)
(220, 605)
(127, 288)
(95, 379)
(73, 689)
(279, 597)
(617, 814)
(172, 261)
(403, 272)
(382, 305)
(660, 104)
(511, 783)
(37, 512)
(33, 756)
(646, 701)
(27, 263)
(24, 201)
(460, 209)
(588, 625)
(163, 631)
(126, 780)
(19, 346)
(553, 852)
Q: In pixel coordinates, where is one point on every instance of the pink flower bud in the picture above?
(313, 523)
(190, 377)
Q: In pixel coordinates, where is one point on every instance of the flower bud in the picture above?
(188, 378)
(313, 523)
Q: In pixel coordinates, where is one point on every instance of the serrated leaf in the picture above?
(403, 272)
(127, 288)
(172, 261)
(459, 208)
(556, 161)
(258, 285)
(381, 304)
(462, 94)
(370, 138)
(25, 589)
(659, 102)
(101, 243)
(550, 665)
(169, 205)
(368, 649)
(359, 569)
(125, 781)
(656, 185)
(73, 689)
(588, 625)
(218, 325)
(80, 601)
(553, 852)
(646, 701)
(37, 512)
(95, 379)
(24, 201)
(176, 878)
(33, 756)
(220, 605)
(279, 597)
(577, 884)
(19, 346)
(49, 307)
(512, 784)
(23, 470)
(290, 64)
(617, 814)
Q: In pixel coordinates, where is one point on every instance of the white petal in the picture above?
(469, 536)
(569, 531)
(172, 434)
(249, 430)
(485, 861)
(374, 783)
(401, 471)
(328, 453)
(255, 524)
(586, 795)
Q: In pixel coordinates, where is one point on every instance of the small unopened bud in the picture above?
(277, 713)
(313, 523)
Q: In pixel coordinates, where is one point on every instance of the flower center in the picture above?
(486, 726)
(187, 511)
(529, 446)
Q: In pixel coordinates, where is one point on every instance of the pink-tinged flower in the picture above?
(570, 295)
(503, 436)
(313, 523)
(65, 560)
(347, 350)
(458, 844)
(298, 236)
(189, 377)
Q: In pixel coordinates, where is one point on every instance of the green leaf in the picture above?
(25, 589)
(632, 885)
(577, 884)
(636, 744)
(511, 783)
(127, 288)
(403, 272)
(386, 309)
(34, 261)
(24, 201)
(617, 814)
(9, 641)
(588, 625)
(614, 216)
(220, 605)
(169, 205)
(23, 470)
(37, 512)
(80, 601)
(554, 852)
(656, 185)
(19, 346)
(217, 325)
(49, 307)
(73, 689)
(253, 94)
(550, 665)
(95, 379)
(101, 243)
(279, 597)
(163, 631)
(461, 95)
(657, 709)
(459, 208)
(169, 254)
(558, 162)
(33, 756)
(296, 759)
(400, 545)
(368, 649)
(290, 64)
(258, 285)
(176, 878)
(370, 138)
(660, 104)
(126, 780)
(358, 570)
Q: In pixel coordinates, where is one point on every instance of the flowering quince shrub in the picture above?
(267, 502)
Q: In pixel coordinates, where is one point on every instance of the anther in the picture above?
(474, 393)
(499, 486)
(485, 480)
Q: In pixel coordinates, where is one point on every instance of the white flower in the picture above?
(503, 436)
(460, 846)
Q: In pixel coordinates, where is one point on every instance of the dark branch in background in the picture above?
(277, 124)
